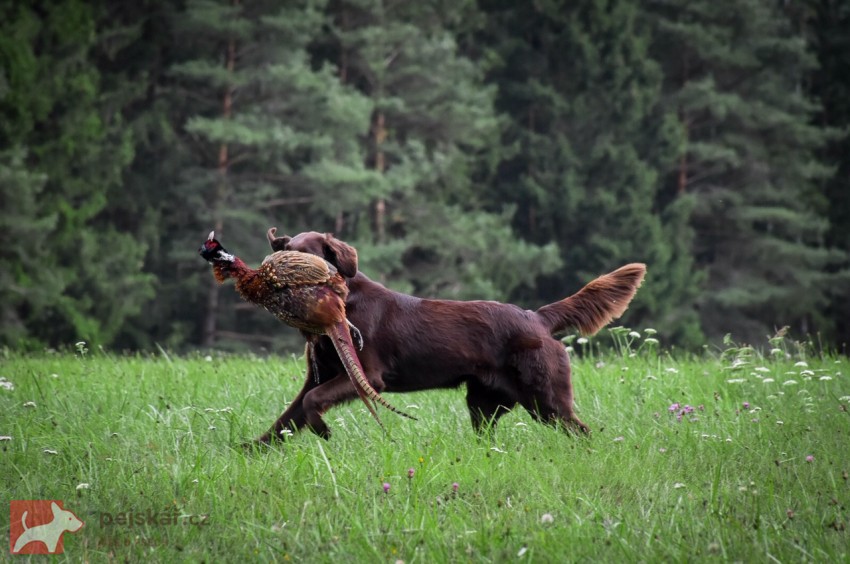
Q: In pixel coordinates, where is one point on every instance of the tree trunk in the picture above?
(682, 183)
(220, 196)
(379, 133)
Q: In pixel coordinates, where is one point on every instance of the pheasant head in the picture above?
(215, 254)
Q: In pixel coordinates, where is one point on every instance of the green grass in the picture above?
(160, 434)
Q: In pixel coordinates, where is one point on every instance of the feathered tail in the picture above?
(597, 304)
(341, 338)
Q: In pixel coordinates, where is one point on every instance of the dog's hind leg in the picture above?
(321, 398)
(548, 389)
(486, 405)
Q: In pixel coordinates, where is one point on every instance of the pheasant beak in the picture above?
(212, 236)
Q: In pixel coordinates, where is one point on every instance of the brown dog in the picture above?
(505, 355)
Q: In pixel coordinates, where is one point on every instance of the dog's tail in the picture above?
(24, 521)
(595, 305)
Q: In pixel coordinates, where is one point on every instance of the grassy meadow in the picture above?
(733, 456)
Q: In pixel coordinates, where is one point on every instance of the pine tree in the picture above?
(590, 141)
(829, 27)
(258, 128)
(63, 150)
(733, 75)
(426, 228)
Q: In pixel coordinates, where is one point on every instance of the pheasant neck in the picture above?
(233, 269)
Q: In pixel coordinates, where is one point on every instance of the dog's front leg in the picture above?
(321, 398)
(294, 417)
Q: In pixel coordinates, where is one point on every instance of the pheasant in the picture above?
(306, 292)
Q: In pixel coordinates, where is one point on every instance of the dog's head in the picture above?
(340, 254)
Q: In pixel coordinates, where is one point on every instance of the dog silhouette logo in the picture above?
(37, 526)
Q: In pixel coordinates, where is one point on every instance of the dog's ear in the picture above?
(277, 243)
(340, 254)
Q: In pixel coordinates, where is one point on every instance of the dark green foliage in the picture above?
(828, 24)
(733, 76)
(424, 226)
(590, 143)
(64, 148)
(492, 149)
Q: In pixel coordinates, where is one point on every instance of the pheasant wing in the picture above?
(293, 268)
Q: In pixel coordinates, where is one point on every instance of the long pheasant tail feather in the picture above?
(341, 338)
(344, 347)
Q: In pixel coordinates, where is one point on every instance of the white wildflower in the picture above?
(767, 381)
(581, 341)
(776, 352)
(801, 364)
(825, 378)
(650, 331)
(761, 369)
(50, 451)
(806, 373)
(83, 486)
(779, 422)
(522, 552)
(29, 404)
(736, 380)
(6, 385)
(844, 398)
(678, 486)
(651, 341)
(569, 349)
(634, 334)
(54, 375)
(672, 370)
(497, 449)
(208, 358)
(4, 438)
(521, 424)
(789, 383)
(547, 518)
